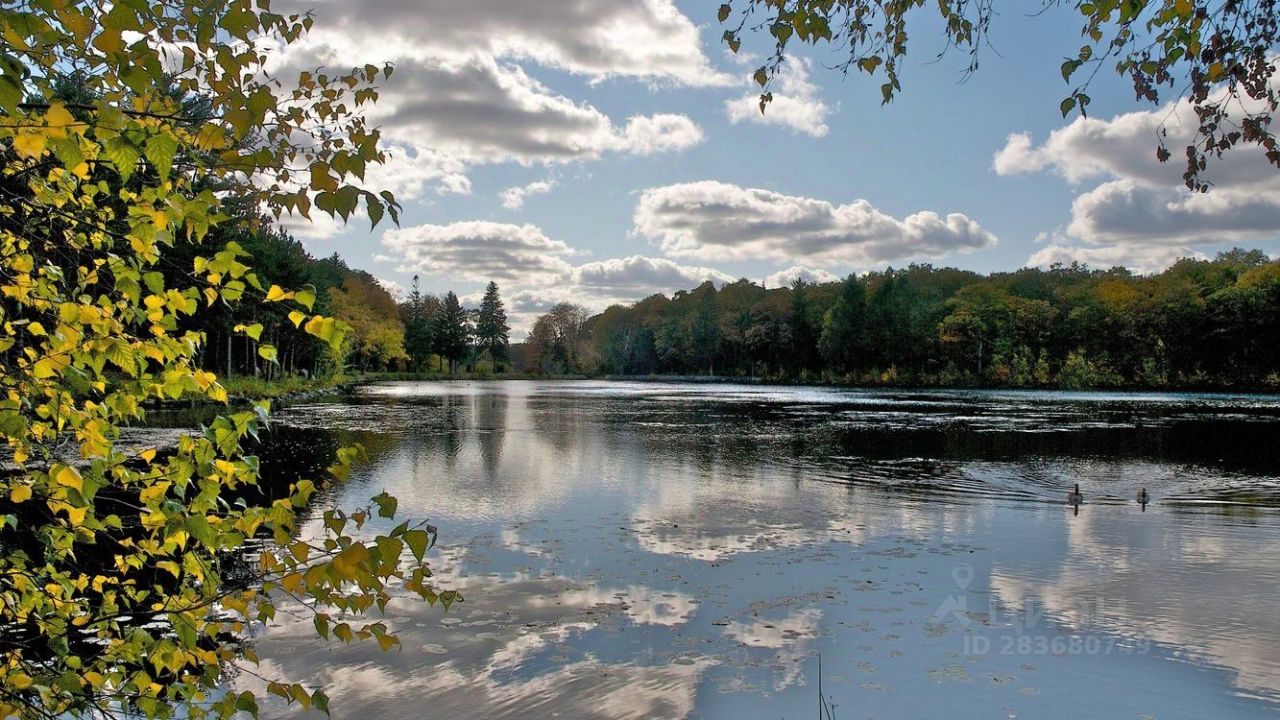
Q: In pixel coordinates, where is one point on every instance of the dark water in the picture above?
(661, 550)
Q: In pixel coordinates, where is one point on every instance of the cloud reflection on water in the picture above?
(624, 548)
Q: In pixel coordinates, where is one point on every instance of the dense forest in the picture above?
(1200, 323)
(420, 332)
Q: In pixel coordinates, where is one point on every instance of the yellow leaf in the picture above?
(28, 144)
(58, 120)
(292, 582)
(36, 329)
(347, 562)
(148, 455)
(69, 477)
(74, 514)
(20, 493)
(277, 293)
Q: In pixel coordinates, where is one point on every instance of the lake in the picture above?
(691, 550)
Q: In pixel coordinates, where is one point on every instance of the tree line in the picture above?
(1200, 323)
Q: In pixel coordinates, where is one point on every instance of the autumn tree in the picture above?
(558, 339)
(115, 597)
(377, 335)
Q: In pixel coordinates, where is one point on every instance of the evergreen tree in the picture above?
(804, 331)
(449, 331)
(843, 329)
(492, 330)
(417, 327)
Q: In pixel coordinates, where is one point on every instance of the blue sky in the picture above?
(640, 177)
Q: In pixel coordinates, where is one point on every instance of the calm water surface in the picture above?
(666, 550)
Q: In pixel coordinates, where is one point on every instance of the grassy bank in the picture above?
(253, 388)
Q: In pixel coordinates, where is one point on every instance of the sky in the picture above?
(601, 151)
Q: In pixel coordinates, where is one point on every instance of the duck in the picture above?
(1075, 497)
(1143, 497)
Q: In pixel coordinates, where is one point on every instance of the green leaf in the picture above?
(387, 505)
(306, 298)
(418, 542)
(122, 154)
(159, 151)
(1067, 105)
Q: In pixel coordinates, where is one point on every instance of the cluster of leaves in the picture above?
(1218, 54)
(1066, 326)
(117, 589)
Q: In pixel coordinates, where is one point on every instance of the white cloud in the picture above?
(396, 290)
(477, 110)
(715, 220)
(651, 134)
(1127, 211)
(513, 197)
(1139, 258)
(534, 270)
(638, 276)
(649, 40)
(479, 251)
(784, 278)
(797, 103)
(1140, 214)
(462, 94)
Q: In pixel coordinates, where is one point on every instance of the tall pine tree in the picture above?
(492, 330)
(449, 331)
(417, 327)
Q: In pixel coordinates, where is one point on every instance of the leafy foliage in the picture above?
(558, 342)
(1219, 55)
(124, 581)
(1198, 324)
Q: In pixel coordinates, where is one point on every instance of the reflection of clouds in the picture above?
(1178, 584)
(584, 689)
(789, 637)
(642, 605)
(695, 521)
(556, 500)
(495, 657)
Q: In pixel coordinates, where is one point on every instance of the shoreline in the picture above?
(906, 387)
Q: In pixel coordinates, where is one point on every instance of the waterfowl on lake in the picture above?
(1143, 497)
(1075, 497)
